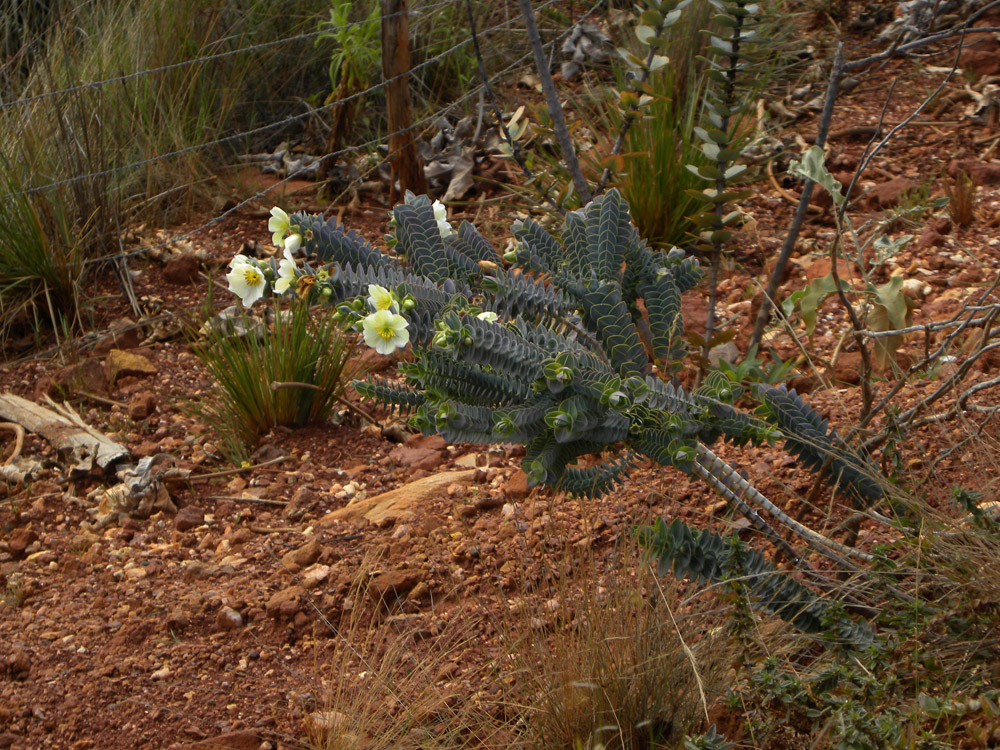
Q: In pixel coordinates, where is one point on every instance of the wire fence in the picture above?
(502, 34)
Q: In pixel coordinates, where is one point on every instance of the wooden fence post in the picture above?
(407, 166)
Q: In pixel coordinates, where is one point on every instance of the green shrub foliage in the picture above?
(567, 367)
(553, 346)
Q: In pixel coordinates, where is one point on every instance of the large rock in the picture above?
(400, 504)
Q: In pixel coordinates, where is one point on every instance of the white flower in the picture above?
(488, 316)
(286, 272)
(246, 280)
(385, 331)
(441, 214)
(381, 298)
(278, 224)
(293, 242)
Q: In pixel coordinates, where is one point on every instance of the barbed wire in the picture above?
(372, 142)
(306, 36)
(254, 131)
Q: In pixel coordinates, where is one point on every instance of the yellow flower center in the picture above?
(252, 277)
(387, 333)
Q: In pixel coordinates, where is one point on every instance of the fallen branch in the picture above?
(247, 499)
(81, 444)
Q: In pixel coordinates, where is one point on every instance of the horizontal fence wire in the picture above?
(304, 37)
(425, 120)
(262, 128)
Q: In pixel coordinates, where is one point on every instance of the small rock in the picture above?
(517, 486)
(119, 364)
(332, 729)
(888, 194)
(427, 459)
(285, 604)
(228, 741)
(19, 663)
(727, 352)
(19, 541)
(189, 517)
(302, 557)
(177, 620)
(162, 673)
(393, 585)
(199, 569)
(821, 268)
(142, 406)
(303, 501)
(848, 368)
(181, 269)
(228, 618)
(123, 334)
(915, 288)
(981, 172)
(929, 238)
(87, 376)
(431, 442)
(314, 575)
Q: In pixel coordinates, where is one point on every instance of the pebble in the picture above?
(228, 619)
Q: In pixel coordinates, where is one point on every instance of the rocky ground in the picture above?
(225, 613)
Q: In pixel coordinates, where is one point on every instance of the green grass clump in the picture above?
(305, 354)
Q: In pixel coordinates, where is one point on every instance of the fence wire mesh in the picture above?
(504, 36)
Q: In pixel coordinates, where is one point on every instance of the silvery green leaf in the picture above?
(633, 61)
(711, 151)
(885, 247)
(658, 62)
(644, 34)
(721, 44)
(813, 167)
(735, 171)
(672, 17)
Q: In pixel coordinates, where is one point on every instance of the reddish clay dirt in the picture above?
(217, 626)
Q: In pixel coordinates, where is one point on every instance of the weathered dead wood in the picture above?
(76, 441)
(402, 503)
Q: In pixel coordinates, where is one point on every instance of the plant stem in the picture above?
(552, 102)
(764, 314)
(728, 96)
